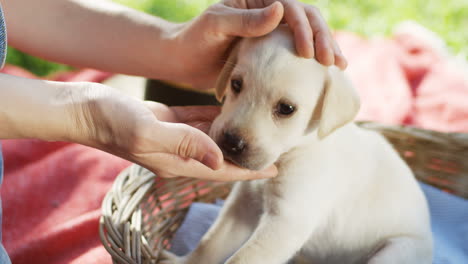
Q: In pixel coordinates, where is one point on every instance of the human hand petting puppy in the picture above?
(203, 43)
(168, 141)
(193, 52)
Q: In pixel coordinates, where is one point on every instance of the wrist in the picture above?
(103, 118)
(34, 109)
(167, 61)
(85, 106)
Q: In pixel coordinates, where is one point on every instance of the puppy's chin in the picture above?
(248, 163)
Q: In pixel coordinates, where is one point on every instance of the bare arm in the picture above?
(91, 33)
(107, 36)
(33, 109)
(92, 114)
(111, 37)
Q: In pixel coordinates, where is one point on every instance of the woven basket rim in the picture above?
(136, 191)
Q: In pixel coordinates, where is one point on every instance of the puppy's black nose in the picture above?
(233, 144)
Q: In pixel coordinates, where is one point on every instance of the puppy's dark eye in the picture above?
(236, 85)
(285, 109)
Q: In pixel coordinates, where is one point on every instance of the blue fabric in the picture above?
(4, 259)
(3, 39)
(199, 219)
(449, 218)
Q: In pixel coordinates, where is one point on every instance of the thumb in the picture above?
(188, 142)
(250, 22)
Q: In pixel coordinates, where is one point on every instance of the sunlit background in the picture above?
(448, 18)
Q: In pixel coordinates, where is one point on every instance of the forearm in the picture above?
(91, 33)
(36, 109)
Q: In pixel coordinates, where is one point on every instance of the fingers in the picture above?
(322, 36)
(201, 125)
(340, 59)
(188, 114)
(244, 22)
(167, 165)
(183, 114)
(180, 139)
(162, 111)
(180, 150)
(296, 18)
(312, 35)
(187, 142)
(199, 117)
(327, 50)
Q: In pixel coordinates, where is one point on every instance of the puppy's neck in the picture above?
(311, 147)
(295, 156)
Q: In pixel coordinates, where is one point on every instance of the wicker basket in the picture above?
(140, 214)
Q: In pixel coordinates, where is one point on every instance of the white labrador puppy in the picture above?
(342, 195)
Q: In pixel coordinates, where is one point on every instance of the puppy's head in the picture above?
(275, 99)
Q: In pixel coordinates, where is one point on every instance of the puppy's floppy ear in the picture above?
(339, 102)
(223, 78)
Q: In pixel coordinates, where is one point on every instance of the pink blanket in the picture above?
(408, 79)
(52, 191)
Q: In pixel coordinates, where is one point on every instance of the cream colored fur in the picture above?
(343, 195)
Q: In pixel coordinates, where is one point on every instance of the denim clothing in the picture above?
(3, 38)
(4, 259)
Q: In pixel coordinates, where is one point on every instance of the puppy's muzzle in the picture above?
(232, 144)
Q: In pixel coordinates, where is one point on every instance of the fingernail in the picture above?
(211, 160)
(342, 60)
(311, 48)
(344, 64)
(271, 9)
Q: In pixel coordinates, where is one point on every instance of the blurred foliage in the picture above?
(172, 10)
(36, 65)
(448, 18)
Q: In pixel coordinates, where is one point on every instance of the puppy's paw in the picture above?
(167, 257)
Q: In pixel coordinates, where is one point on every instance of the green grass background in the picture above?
(448, 18)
